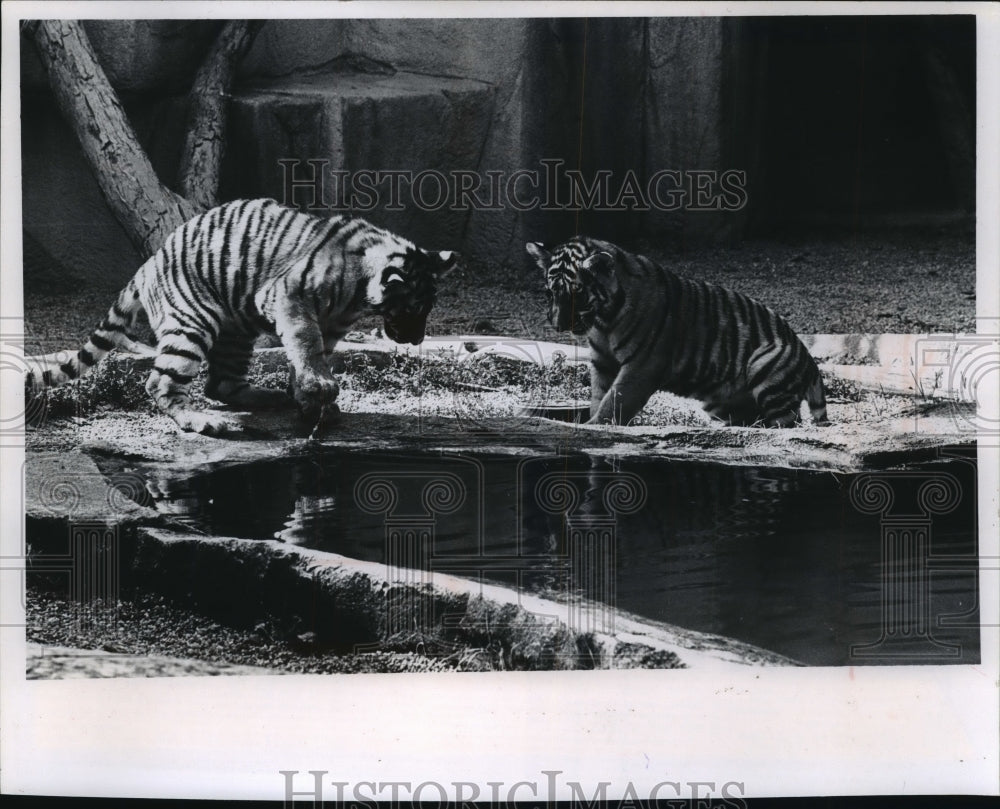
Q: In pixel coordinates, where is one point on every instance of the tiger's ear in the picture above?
(593, 267)
(447, 261)
(538, 252)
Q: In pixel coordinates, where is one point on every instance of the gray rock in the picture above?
(356, 122)
(142, 55)
(363, 604)
(69, 486)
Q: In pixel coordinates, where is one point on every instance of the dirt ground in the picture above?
(893, 282)
(151, 628)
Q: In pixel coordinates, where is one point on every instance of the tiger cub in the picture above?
(249, 267)
(652, 330)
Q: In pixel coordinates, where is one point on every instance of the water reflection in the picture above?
(779, 558)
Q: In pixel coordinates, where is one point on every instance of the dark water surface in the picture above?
(827, 568)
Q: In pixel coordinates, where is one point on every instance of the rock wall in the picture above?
(67, 227)
(496, 54)
(308, 141)
(466, 96)
(649, 113)
(626, 97)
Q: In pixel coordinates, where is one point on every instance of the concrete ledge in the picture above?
(69, 486)
(351, 605)
(849, 444)
(948, 366)
(903, 418)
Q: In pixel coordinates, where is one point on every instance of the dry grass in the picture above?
(466, 388)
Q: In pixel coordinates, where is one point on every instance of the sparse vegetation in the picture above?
(925, 392)
(446, 373)
(117, 384)
(468, 386)
(145, 624)
(842, 390)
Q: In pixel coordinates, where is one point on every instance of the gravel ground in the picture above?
(146, 624)
(903, 282)
(899, 282)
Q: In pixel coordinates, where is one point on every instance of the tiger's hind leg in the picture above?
(777, 397)
(738, 410)
(228, 362)
(180, 353)
(788, 418)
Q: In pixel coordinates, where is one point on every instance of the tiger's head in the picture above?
(576, 283)
(407, 290)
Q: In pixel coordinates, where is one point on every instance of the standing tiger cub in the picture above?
(254, 266)
(651, 330)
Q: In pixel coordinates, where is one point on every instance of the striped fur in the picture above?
(652, 330)
(253, 266)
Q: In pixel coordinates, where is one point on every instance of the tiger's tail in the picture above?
(816, 399)
(52, 370)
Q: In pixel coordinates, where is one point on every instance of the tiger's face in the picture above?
(573, 307)
(408, 290)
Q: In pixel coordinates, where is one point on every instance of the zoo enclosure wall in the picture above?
(837, 122)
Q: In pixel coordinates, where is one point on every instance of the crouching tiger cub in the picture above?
(253, 266)
(652, 330)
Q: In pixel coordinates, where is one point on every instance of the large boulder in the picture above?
(290, 134)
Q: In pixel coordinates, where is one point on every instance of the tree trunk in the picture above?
(146, 209)
(201, 159)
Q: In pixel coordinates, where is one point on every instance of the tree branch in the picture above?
(146, 209)
(201, 159)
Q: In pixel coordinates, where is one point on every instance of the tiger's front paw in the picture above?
(194, 421)
(314, 392)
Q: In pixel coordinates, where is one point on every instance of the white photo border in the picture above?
(775, 732)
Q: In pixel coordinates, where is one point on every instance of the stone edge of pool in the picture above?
(928, 368)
